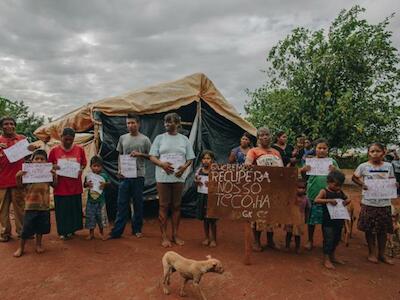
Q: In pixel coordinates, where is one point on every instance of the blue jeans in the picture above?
(128, 188)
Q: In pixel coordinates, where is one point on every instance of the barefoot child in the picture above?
(95, 207)
(210, 224)
(331, 228)
(315, 183)
(37, 207)
(304, 205)
(375, 215)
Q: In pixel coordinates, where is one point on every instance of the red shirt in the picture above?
(68, 186)
(9, 170)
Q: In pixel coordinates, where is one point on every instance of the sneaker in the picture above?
(139, 235)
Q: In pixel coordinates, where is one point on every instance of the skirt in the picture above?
(375, 219)
(316, 214)
(68, 213)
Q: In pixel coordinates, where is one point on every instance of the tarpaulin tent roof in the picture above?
(155, 99)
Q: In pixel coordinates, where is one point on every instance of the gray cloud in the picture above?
(58, 55)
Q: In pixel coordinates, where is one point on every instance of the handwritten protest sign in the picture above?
(96, 180)
(253, 193)
(37, 172)
(380, 188)
(203, 188)
(176, 159)
(68, 168)
(319, 166)
(17, 151)
(128, 166)
(338, 211)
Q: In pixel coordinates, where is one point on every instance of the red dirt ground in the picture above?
(130, 268)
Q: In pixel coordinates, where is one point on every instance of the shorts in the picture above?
(35, 222)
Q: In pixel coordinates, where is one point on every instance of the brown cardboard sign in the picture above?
(253, 193)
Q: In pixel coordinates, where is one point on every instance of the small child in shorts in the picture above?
(96, 181)
(37, 206)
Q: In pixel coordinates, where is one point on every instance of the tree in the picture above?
(343, 85)
(26, 122)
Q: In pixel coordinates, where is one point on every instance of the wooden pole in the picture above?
(247, 243)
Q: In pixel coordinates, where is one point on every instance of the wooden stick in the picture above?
(247, 243)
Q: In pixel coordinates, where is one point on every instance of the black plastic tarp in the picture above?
(215, 133)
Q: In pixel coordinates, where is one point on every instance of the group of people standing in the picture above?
(314, 192)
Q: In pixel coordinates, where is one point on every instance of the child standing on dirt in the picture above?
(315, 183)
(96, 181)
(332, 228)
(304, 205)
(375, 215)
(201, 181)
(37, 207)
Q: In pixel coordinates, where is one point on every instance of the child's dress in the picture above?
(96, 208)
(304, 206)
(202, 199)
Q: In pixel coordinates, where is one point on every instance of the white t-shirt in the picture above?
(369, 171)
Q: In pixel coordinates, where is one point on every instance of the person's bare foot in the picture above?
(308, 245)
(212, 244)
(39, 249)
(18, 253)
(205, 242)
(166, 243)
(386, 260)
(328, 264)
(372, 259)
(178, 241)
(256, 247)
(337, 261)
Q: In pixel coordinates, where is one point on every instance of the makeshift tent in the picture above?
(208, 120)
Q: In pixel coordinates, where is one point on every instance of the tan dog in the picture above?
(189, 269)
(348, 224)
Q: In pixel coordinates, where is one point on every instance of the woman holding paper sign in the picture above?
(263, 155)
(9, 191)
(172, 154)
(315, 183)
(70, 160)
(375, 215)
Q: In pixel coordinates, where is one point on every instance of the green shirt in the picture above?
(316, 183)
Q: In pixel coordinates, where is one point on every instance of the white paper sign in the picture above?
(37, 172)
(319, 166)
(380, 188)
(68, 168)
(96, 180)
(338, 211)
(203, 188)
(128, 166)
(176, 159)
(17, 151)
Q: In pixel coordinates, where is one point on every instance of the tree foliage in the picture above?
(26, 122)
(343, 84)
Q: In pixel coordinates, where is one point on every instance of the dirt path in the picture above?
(130, 268)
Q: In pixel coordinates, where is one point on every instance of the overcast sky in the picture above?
(58, 55)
